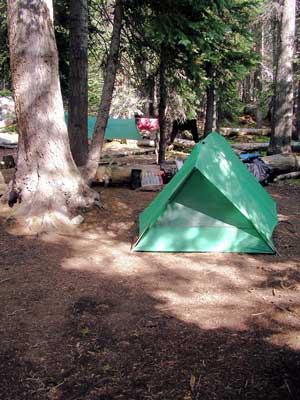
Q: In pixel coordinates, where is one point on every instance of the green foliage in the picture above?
(5, 92)
(192, 35)
(4, 51)
(61, 27)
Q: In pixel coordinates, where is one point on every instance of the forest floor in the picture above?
(82, 317)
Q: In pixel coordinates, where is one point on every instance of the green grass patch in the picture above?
(5, 93)
(9, 129)
(294, 181)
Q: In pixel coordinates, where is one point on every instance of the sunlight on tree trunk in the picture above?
(47, 185)
(283, 100)
(107, 92)
(210, 115)
(259, 77)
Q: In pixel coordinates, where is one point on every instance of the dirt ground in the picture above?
(82, 317)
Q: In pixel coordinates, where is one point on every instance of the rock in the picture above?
(8, 140)
(7, 111)
(77, 220)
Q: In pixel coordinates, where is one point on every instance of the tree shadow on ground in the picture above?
(77, 323)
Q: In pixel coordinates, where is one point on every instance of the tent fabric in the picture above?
(115, 129)
(212, 204)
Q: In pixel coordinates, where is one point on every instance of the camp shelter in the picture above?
(116, 128)
(213, 204)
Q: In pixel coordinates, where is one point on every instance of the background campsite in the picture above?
(141, 255)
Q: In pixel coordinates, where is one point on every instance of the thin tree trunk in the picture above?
(275, 50)
(210, 115)
(162, 108)
(151, 96)
(247, 89)
(47, 183)
(107, 93)
(258, 77)
(283, 105)
(78, 81)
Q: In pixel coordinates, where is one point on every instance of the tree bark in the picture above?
(78, 81)
(296, 132)
(258, 77)
(107, 93)
(245, 131)
(210, 115)
(162, 107)
(296, 135)
(246, 98)
(150, 99)
(282, 123)
(47, 185)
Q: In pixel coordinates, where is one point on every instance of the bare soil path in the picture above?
(83, 318)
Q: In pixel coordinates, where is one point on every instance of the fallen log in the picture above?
(125, 153)
(120, 174)
(290, 175)
(146, 143)
(186, 144)
(245, 131)
(183, 143)
(260, 146)
(240, 147)
(281, 163)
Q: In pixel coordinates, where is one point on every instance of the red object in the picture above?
(147, 124)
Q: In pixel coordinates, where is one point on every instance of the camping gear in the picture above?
(257, 167)
(136, 181)
(115, 128)
(249, 156)
(147, 124)
(260, 170)
(213, 204)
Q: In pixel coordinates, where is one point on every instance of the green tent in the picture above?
(121, 129)
(115, 129)
(213, 204)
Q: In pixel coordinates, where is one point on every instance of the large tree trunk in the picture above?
(162, 107)
(210, 115)
(282, 123)
(78, 81)
(107, 93)
(47, 185)
(296, 131)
